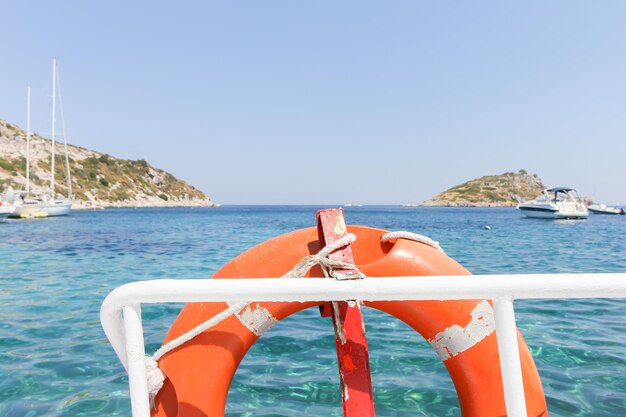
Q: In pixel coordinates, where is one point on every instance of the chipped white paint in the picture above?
(256, 318)
(456, 339)
(340, 227)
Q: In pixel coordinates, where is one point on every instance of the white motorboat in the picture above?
(45, 204)
(555, 203)
(604, 209)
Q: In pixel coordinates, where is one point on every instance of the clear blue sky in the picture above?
(269, 101)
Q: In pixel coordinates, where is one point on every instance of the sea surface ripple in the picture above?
(54, 274)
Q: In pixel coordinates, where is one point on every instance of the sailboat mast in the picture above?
(64, 132)
(54, 99)
(28, 140)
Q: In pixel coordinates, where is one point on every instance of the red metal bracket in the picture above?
(352, 351)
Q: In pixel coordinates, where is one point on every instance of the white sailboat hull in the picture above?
(43, 209)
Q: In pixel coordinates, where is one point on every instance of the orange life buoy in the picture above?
(199, 372)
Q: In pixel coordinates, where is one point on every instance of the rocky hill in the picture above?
(505, 190)
(97, 179)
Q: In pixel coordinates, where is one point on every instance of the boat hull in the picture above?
(540, 213)
(48, 209)
(605, 210)
(6, 211)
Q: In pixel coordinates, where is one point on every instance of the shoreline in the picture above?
(100, 205)
(463, 205)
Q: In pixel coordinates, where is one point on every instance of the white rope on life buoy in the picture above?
(403, 234)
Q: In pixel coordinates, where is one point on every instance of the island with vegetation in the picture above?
(505, 190)
(97, 179)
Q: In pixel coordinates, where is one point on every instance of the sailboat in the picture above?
(45, 204)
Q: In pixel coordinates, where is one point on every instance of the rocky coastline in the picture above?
(504, 190)
(98, 180)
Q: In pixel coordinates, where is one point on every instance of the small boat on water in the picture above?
(7, 207)
(555, 203)
(43, 206)
(5, 210)
(47, 203)
(604, 209)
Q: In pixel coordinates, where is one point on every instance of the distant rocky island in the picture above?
(505, 190)
(98, 180)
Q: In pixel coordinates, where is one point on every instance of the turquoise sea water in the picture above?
(54, 274)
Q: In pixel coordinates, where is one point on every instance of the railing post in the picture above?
(136, 353)
(508, 350)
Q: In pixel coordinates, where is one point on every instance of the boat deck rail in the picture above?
(121, 310)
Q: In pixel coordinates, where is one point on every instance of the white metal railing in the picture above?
(121, 310)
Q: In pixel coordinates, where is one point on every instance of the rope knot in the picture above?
(155, 377)
(321, 258)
